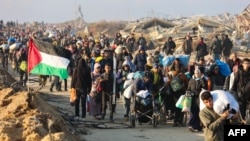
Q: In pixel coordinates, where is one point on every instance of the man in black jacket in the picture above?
(81, 81)
(240, 85)
(227, 46)
(169, 46)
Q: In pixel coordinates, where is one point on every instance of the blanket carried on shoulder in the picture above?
(222, 100)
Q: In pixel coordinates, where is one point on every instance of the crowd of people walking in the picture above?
(97, 63)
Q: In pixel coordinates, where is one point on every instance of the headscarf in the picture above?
(197, 71)
(95, 72)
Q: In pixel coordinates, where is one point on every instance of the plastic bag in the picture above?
(223, 68)
(168, 60)
(184, 59)
(72, 99)
(23, 66)
(179, 103)
(187, 104)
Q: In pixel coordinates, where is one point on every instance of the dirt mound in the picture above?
(27, 117)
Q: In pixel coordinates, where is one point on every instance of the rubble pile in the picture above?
(27, 117)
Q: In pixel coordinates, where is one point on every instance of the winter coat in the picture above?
(107, 80)
(216, 46)
(140, 61)
(195, 85)
(201, 50)
(169, 47)
(81, 77)
(214, 125)
(227, 46)
(159, 82)
(187, 47)
(139, 84)
(240, 81)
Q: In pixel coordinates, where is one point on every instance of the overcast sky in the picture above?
(56, 11)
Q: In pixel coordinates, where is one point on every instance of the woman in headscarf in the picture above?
(95, 96)
(195, 85)
(81, 81)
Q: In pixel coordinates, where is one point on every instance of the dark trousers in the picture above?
(23, 77)
(178, 116)
(81, 98)
(195, 119)
(243, 107)
(55, 83)
(127, 106)
(65, 84)
(5, 61)
(107, 97)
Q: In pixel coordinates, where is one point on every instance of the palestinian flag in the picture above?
(46, 59)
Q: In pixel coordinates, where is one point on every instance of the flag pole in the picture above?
(28, 71)
(28, 64)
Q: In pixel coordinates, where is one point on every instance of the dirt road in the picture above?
(102, 130)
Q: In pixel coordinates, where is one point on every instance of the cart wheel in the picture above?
(132, 120)
(155, 120)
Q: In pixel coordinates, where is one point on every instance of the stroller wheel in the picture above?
(155, 120)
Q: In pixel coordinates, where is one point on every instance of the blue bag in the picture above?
(184, 59)
(224, 68)
(167, 60)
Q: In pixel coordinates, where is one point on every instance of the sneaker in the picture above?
(76, 118)
(191, 129)
(82, 119)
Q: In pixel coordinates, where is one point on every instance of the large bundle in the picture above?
(14, 46)
(223, 68)
(138, 74)
(222, 100)
(128, 88)
(168, 60)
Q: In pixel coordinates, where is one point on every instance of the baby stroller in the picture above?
(143, 110)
